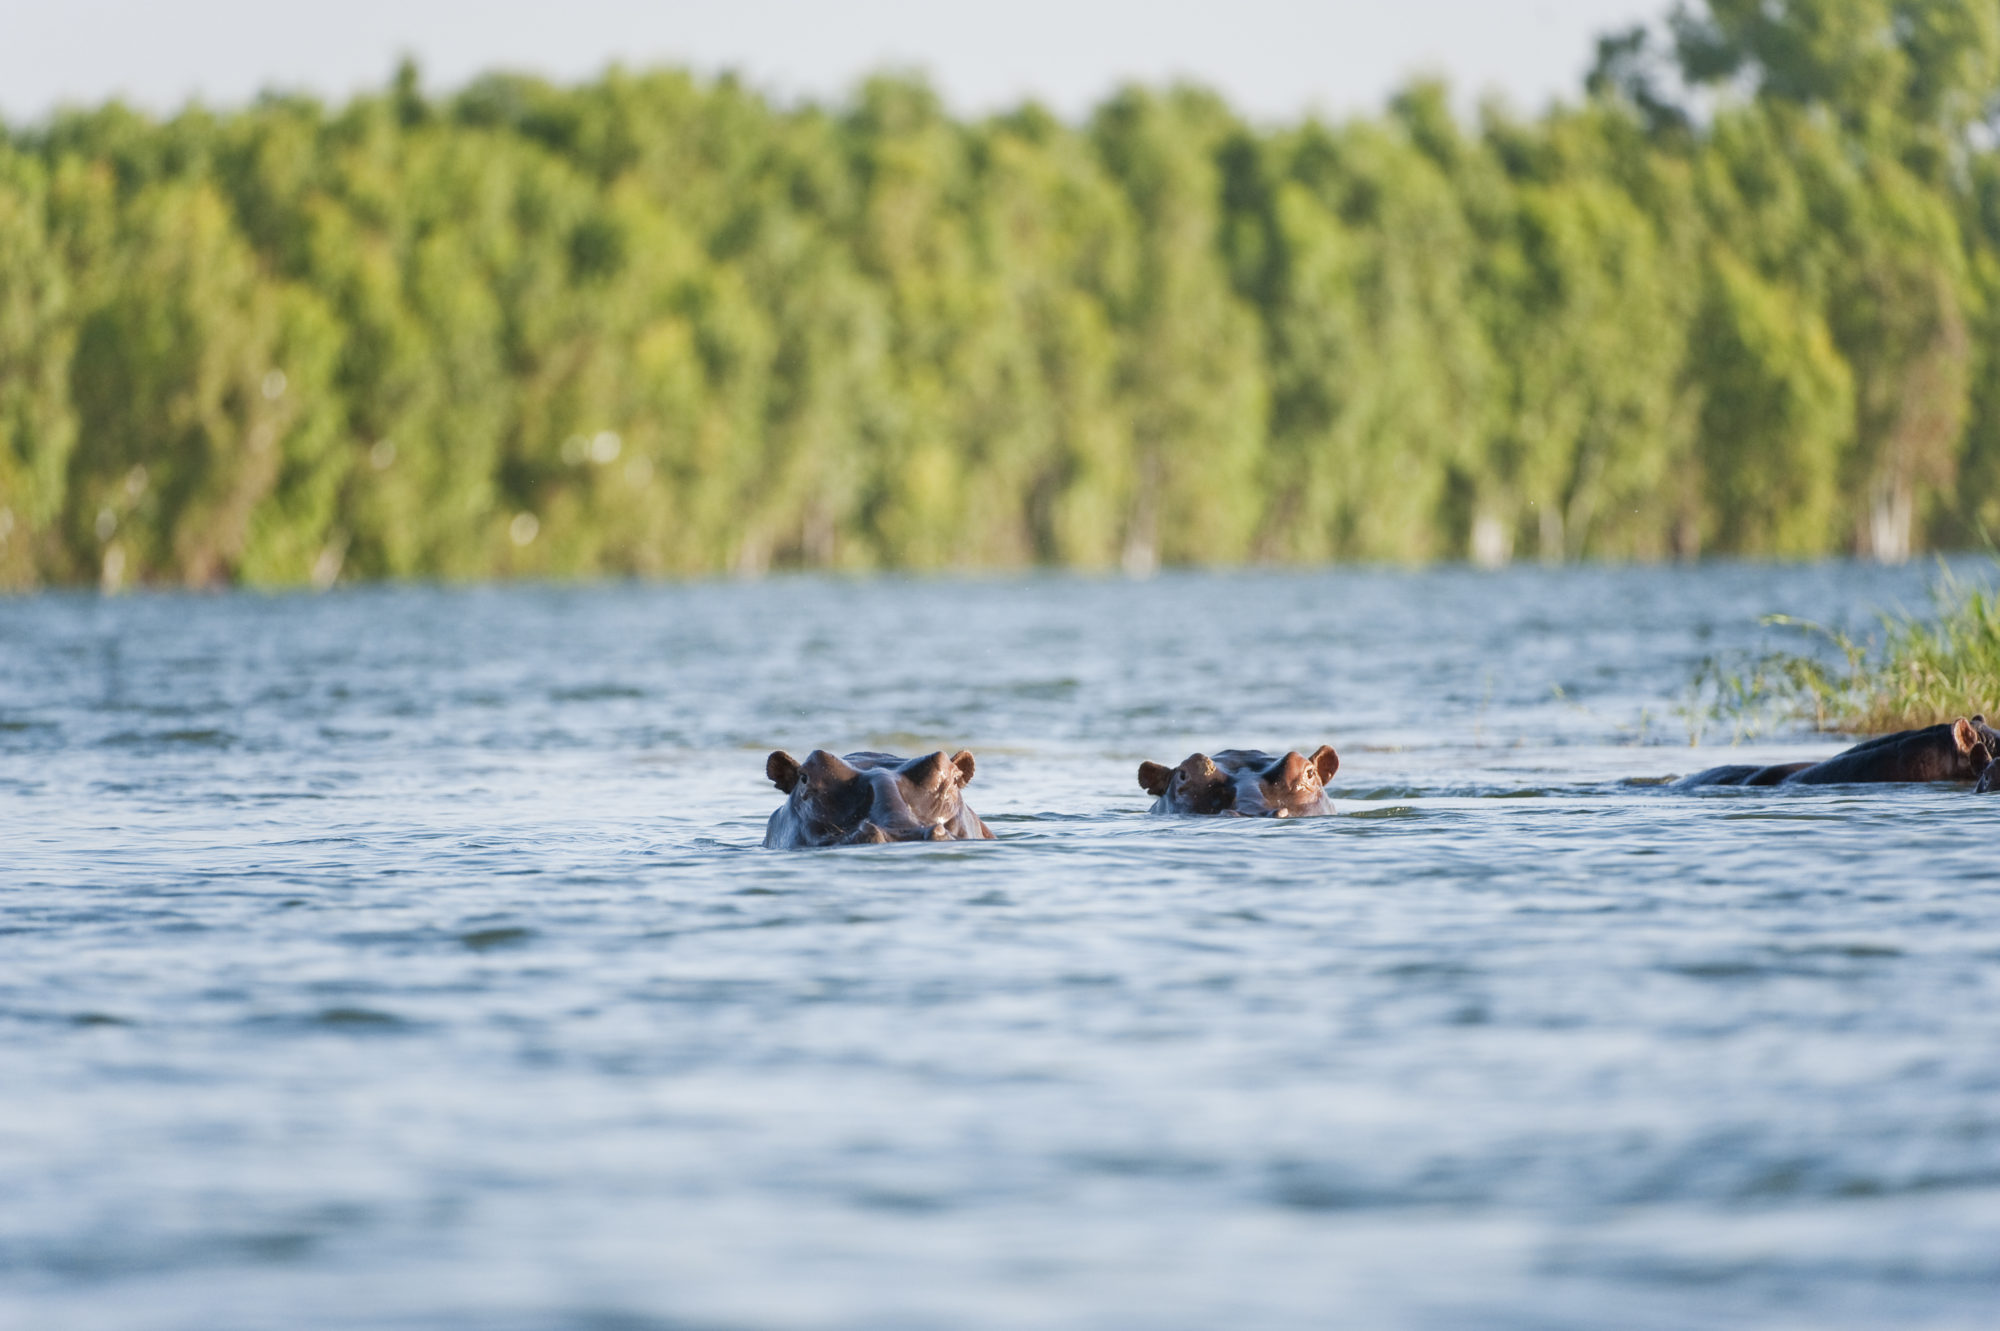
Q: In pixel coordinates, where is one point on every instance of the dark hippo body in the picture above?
(871, 798)
(1244, 783)
(1960, 750)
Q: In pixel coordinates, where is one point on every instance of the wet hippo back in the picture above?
(1957, 751)
(870, 799)
(1961, 750)
(1743, 775)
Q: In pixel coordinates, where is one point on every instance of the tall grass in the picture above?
(1927, 671)
(1922, 670)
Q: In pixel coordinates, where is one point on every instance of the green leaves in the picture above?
(37, 340)
(1886, 69)
(1776, 414)
(660, 325)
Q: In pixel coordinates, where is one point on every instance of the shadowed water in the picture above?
(406, 958)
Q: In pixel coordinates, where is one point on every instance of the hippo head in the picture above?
(1246, 783)
(1289, 787)
(1196, 786)
(871, 798)
(1979, 746)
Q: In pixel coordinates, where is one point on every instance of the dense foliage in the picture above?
(1743, 297)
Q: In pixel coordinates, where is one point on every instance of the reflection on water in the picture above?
(405, 958)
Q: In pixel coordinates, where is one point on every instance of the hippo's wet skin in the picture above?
(871, 798)
(1244, 783)
(1959, 751)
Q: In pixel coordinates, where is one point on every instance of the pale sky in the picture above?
(1272, 59)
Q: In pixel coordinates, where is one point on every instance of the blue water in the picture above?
(406, 958)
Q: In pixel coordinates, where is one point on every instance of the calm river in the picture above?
(405, 958)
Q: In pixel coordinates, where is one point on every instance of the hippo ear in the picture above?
(822, 768)
(1327, 761)
(1963, 735)
(962, 760)
(783, 769)
(1153, 778)
(924, 772)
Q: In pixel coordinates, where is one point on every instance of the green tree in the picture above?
(37, 418)
(1776, 416)
(1379, 368)
(660, 324)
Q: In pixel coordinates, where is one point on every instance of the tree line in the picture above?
(1742, 296)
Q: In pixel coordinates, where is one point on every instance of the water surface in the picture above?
(406, 958)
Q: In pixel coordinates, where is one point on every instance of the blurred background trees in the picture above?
(1743, 297)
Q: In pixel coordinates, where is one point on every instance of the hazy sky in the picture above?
(1271, 58)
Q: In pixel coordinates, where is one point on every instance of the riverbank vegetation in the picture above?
(1928, 670)
(1742, 296)
(1918, 670)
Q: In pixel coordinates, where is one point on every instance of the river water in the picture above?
(406, 958)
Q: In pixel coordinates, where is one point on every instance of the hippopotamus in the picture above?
(1244, 783)
(871, 798)
(1960, 750)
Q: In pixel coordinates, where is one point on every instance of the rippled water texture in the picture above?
(406, 958)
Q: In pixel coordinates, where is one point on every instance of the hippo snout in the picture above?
(872, 833)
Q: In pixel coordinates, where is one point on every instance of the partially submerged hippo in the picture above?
(1961, 750)
(871, 798)
(1244, 783)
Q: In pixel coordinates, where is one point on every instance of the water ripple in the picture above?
(424, 935)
